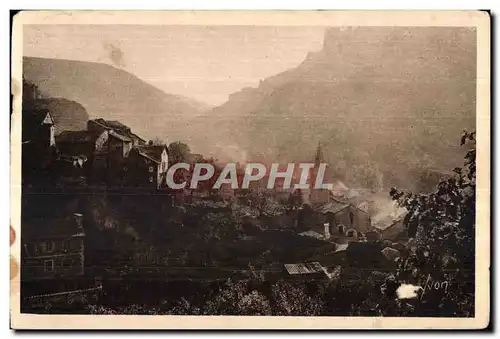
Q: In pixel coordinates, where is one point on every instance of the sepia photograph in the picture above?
(311, 169)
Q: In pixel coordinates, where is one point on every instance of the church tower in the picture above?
(318, 159)
(318, 196)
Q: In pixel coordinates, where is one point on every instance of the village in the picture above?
(246, 170)
(281, 232)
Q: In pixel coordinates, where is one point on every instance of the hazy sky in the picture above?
(204, 63)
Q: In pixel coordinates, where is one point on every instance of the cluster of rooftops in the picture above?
(116, 130)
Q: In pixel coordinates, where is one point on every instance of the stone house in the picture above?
(112, 147)
(115, 156)
(146, 167)
(389, 222)
(390, 227)
(75, 143)
(336, 220)
(76, 149)
(53, 248)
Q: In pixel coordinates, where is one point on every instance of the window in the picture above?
(48, 266)
(341, 229)
(351, 233)
(48, 246)
(351, 218)
(77, 245)
(69, 263)
(127, 146)
(151, 169)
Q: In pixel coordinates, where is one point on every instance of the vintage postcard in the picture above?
(250, 170)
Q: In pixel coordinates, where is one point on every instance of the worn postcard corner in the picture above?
(276, 169)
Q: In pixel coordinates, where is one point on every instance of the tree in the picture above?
(178, 151)
(235, 298)
(442, 224)
(444, 219)
(292, 300)
(157, 142)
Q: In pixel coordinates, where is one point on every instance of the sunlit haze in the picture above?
(203, 63)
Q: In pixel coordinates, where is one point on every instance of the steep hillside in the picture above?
(112, 93)
(389, 100)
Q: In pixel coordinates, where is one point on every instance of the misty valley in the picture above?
(139, 201)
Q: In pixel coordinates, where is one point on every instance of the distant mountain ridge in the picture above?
(385, 102)
(390, 100)
(114, 94)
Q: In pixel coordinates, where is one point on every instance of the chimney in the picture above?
(78, 220)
